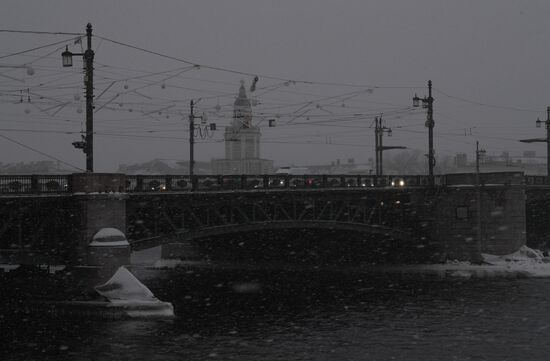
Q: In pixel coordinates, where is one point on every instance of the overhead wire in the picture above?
(485, 104)
(35, 48)
(197, 64)
(338, 119)
(40, 152)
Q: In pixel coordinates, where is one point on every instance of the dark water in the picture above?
(307, 316)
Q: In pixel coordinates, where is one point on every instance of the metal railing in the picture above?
(537, 180)
(56, 184)
(21, 184)
(146, 183)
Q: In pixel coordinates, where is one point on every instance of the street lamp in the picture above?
(87, 144)
(542, 140)
(192, 118)
(427, 103)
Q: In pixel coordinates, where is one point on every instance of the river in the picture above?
(308, 316)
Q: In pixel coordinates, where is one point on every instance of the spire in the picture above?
(242, 99)
(242, 110)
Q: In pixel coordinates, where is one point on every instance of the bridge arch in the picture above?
(191, 235)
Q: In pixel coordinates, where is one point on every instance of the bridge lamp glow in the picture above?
(398, 183)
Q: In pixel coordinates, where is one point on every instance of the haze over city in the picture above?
(325, 70)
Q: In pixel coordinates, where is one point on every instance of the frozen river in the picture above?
(309, 316)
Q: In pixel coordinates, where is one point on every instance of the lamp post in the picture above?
(87, 145)
(427, 102)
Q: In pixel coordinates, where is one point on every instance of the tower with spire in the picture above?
(242, 142)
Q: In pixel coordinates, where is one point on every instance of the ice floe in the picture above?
(125, 291)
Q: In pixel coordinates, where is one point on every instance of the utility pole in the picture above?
(379, 131)
(542, 140)
(427, 102)
(380, 146)
(376, 146)
(547, 124)
(212, 127)
(479, 154)
(191, 142)
(89, 80)
(88, 144)
(548, 141)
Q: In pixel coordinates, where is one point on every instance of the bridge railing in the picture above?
(22, 184)
(51, 184)
(537, 180)
(152, 183)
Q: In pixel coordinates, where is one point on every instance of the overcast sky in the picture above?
(325, 68)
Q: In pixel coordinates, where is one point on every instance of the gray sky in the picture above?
(325, 68)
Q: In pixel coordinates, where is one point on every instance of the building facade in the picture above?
(242, 142)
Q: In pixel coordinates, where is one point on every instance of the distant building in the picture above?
(461, 160)
(164, 166)
(38, 167)
(242, 143)
(528, 162)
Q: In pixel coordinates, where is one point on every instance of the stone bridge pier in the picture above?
(469, 219)
(100, 200)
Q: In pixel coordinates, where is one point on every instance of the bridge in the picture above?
(58, 219)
